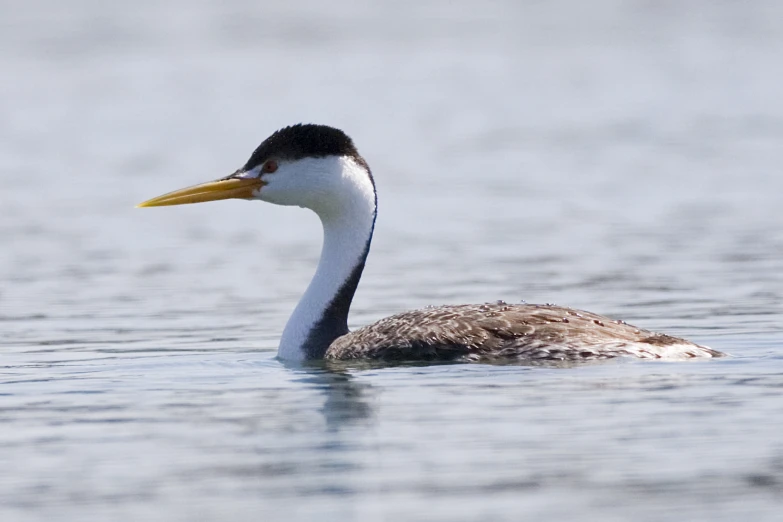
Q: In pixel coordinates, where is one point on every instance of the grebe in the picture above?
(319, 168)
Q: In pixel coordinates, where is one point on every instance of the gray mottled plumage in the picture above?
(507, 331)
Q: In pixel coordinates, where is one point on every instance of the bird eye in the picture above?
(269, 167)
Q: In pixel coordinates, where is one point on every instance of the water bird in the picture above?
(319, 168)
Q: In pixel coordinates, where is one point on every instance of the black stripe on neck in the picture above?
(334, 321)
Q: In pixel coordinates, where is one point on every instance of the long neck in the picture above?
(322, 313)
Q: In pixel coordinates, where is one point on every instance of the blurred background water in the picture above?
(617, 156)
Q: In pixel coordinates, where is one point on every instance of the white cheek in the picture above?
(324, 185)
(278, 189)
(302, 183)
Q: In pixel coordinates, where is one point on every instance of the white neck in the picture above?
(346, 206)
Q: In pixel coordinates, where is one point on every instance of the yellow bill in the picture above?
(232, 188)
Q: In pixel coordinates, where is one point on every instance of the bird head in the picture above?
(307, 165)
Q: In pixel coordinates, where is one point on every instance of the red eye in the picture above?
(269, 167)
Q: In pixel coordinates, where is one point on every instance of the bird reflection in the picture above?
(347, 401)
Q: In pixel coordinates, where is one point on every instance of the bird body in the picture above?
(494, 331)
(319, 168)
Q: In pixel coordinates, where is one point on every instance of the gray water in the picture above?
(621, 157)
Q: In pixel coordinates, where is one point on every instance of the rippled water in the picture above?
(622, 157)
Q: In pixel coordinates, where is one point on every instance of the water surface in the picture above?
(621, 157)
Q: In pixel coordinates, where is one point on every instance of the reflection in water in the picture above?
(347, 401)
